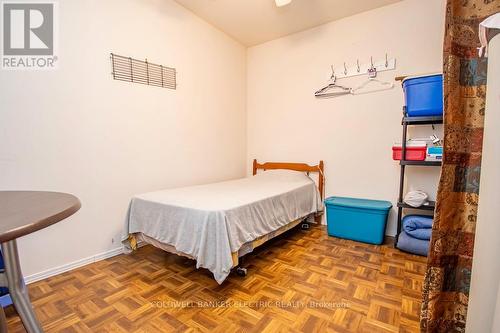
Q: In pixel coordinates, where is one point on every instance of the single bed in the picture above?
(216, 224)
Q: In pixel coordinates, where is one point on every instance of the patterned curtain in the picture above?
(447, 280)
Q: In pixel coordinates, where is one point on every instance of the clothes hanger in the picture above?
(338, 90)
(372, 74)
(382, 85)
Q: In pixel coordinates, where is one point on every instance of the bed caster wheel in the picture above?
(241, 271)
(305, 226)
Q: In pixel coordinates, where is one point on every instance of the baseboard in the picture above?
(72, 265)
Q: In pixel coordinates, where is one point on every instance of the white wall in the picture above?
(352, 134)
(485, 288)
(76, 130)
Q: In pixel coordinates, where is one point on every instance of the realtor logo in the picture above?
(28, 35)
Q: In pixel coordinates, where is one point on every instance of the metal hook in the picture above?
(345, 69)
(332, 77)
(371, 61)
(386, 61)
(357, 63)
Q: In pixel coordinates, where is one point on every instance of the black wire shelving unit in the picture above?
(413, 121)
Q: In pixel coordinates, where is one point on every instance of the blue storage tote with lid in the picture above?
(424, 95)
(357, 219)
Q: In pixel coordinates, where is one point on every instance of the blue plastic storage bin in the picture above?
(5, 299)
(424, 95)
(357, 219)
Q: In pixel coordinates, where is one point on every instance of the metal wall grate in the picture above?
(143, 72)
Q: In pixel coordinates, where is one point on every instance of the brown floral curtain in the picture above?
(447, 280)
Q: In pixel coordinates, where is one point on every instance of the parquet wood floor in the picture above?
(303, 281)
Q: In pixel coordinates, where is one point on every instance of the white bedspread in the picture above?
(209, 222)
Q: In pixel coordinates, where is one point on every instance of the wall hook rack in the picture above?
(386, 64)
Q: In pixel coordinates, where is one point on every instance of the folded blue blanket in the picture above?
(413, 245)
(418, 226)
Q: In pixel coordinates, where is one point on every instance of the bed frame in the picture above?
(302, 167)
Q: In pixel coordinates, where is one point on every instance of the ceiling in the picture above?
(252, 22)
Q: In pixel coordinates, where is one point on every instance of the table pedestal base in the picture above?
(12, 278)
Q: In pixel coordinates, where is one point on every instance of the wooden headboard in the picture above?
(296, 167)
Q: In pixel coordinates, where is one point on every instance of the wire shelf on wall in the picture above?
(143, 72)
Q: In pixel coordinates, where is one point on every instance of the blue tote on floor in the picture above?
(361, 220)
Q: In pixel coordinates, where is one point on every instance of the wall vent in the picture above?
(143, 72)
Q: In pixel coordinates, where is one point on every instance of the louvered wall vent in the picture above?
(144, 72)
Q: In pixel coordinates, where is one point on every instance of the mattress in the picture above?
(211, 222)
